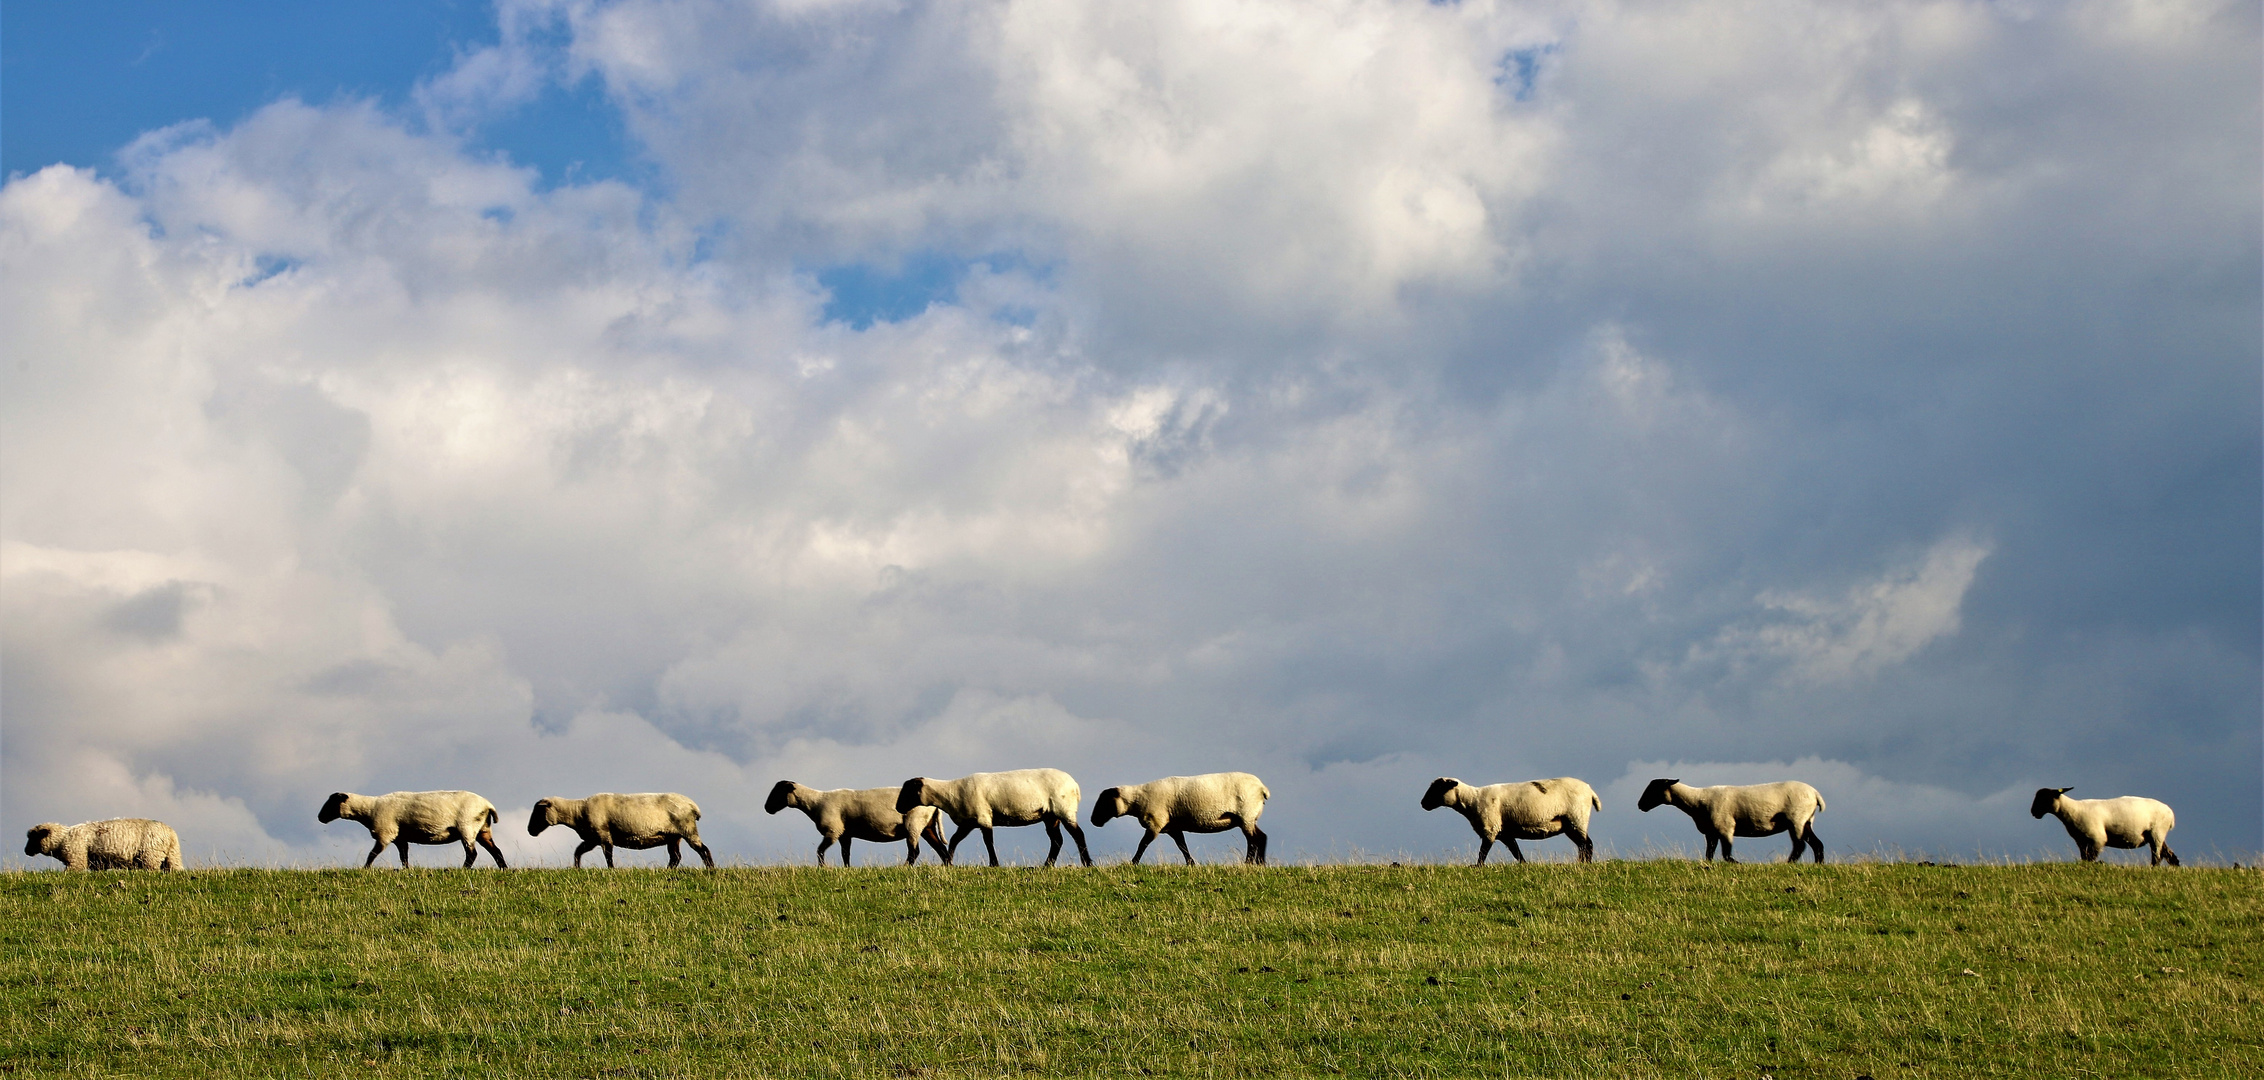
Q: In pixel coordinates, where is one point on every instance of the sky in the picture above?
(566, 396)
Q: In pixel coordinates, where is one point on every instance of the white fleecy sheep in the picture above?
(1533, 810)
(2127, 822)
(1177, 805)
(129, 843)
(1730, 811)
(849, 814)
(991, 800)
(418, 817)
(606, 820)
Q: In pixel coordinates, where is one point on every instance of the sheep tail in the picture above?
(1819, 802)
(1263, 794)
(491, 815)
(1594, 801)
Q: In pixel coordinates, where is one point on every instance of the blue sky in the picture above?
(628, 395)
(83, 80)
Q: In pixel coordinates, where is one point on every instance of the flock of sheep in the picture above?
(1173, 806)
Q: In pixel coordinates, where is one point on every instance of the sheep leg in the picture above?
(1078, 834)
(934, 836)
(1145, 839)
(366, 863)
(1799, 845)
(845, 850)
(608, 848)
(825, 843)
(1710, 842)
(403, 847)
(1180, 838)
(1726, 856)
(487, 840)
(957, 836)
(911, 848)
(1579, 838)
(1814, 845)
(587, 847)
(471, 853)
(1485, 844)
(1053, 833)
(991, 847)
(1513, 848)
(705, 857)
(1256, 852)
(676, 854)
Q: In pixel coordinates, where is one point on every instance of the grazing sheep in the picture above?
(127, 843)
(1177, 805)
(847, 814)
(418, 817)
(1533, 810)
(636, 822)
(2127, 822)
(1755, 810)
(984, 800)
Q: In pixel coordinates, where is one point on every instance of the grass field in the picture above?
(1657, 968)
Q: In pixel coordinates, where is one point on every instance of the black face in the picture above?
(1436, 797)
(330, 809)
(910, 796)
(34, 837)
(2046, 797)
(1105, 808)
(778, 797)
(540, 819)
(1655, 796)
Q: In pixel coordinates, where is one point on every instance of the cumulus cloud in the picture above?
(1350, 392)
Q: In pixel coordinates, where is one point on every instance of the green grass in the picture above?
(1662, 968)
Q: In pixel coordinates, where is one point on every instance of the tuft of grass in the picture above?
(1622, 969)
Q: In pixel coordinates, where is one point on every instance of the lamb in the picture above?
(1177, 805)
(1533, 810)
(1755, 810)
(636, 822)
(848, 814)
(984, 800)
(418, 817)
(2127, 822)
(127, 843)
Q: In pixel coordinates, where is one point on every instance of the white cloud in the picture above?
(1388, 389)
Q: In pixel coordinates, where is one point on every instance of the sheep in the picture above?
(984, 800)
(848, 814)
(1177, 805)
(1756, 810)
(1533, 810)
(636, 822)
(2127, 822)
(127, 843)
(418, 817)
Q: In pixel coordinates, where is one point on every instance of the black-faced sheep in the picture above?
(1754, 810)
(1177, 805)
(987, 800)
(848, 814)
(418, 817)
(636, 822)
(129, 843)
(2127, 822)
(1533, 810)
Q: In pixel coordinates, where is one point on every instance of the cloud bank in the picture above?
(1348, 392)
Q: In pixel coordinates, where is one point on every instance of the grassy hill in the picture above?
(1665, 968)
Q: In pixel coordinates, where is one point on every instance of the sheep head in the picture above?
(915, 793)
(2046, 799)
(1108, 805)
(781, 796)
(1655, 796)
(544, 816)
(333, 808)
(36, 837)
(1440, 789)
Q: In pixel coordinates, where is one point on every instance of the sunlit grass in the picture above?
(1659, 968)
